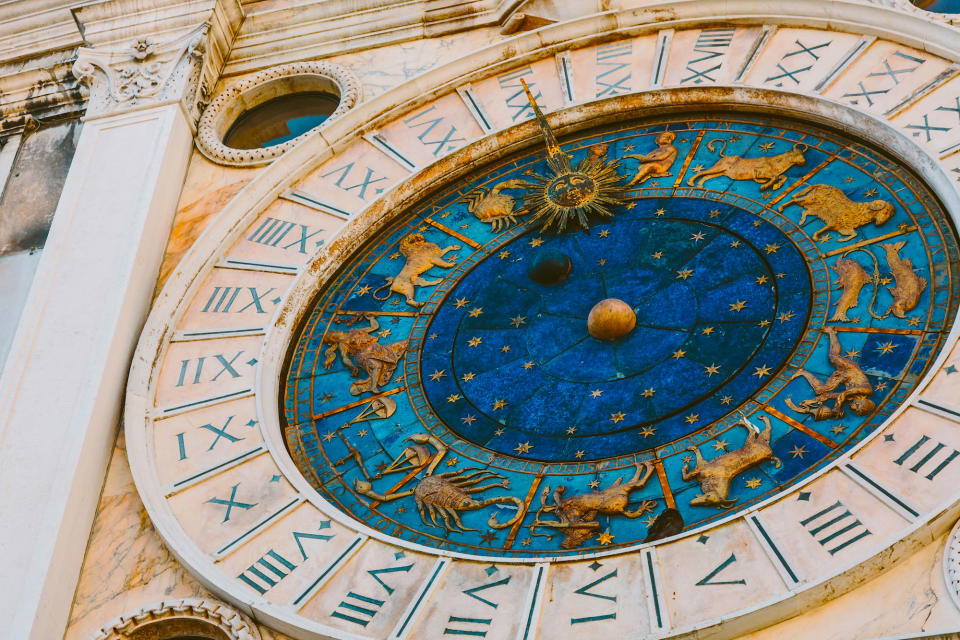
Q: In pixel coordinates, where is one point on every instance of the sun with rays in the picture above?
(571, 193)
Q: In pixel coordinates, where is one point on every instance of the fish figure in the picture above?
(851, 277)
(906, 294)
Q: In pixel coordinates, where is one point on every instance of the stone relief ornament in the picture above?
(838, 212)
(856, 393)
(445, 494)
(657, 163)
(576, 516)
(227, 105)
(360, 350)
(767, 171)
(494, 207)
(909, 285)
(145, 72)
(191, 617)
(716, 475)
(420, 256)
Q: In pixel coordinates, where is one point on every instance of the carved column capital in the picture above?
(145, 72)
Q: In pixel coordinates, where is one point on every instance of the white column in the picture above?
(62, 386)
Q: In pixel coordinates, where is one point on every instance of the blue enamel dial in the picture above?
(787, 288)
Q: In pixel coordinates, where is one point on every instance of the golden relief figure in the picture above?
(577, 515)
(856, 393)
(851, 277)
(494, 207)
(766, 170)
(360, 350)
(443, 495)
(657, 163)
(420, 256)
(909, 285)
(716, 475)
(838, 212)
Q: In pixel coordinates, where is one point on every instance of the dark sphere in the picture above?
(550, 266)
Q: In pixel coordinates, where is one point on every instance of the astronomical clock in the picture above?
(674, 353)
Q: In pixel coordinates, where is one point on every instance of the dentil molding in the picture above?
(207, 614)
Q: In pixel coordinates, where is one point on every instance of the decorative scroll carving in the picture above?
(146, 72)
(189, 616)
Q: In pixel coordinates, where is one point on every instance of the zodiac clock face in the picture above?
(748, 300)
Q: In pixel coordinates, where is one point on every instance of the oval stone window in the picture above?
(280, 119)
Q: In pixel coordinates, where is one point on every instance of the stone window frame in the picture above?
(261, 87)
(188, 616)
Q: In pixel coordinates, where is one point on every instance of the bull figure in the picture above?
(768, 171)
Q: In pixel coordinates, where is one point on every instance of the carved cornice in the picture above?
(232, 623)
(145, 72)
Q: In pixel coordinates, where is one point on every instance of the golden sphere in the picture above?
(611, 319)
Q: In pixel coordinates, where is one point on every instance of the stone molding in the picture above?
(951, 564)
(235, 625)
(145, 72)
(230, 103)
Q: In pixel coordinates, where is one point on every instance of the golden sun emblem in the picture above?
(568, 192)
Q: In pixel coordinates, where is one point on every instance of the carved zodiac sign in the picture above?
(494, 207)
(378, 408)
(577, 515)
(768, 171)
(715, 476)
(420, 257)
(657, 163)
(838, 212)
(852, 278)
(445, 494)
(359, 349)
(906, 294)
(856, 392)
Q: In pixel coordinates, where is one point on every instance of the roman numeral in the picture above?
(230, 503)
(457, 620)
(216, 365)
(223, 298)
(360, 609)
(369, 178)
(273, 231)
(865, 93)
(220, 433)
(585, 591)
(712, 43)
(517, 101)
(925, 128)
(614, 58)
(793, 68)
(894, 74)
(932, 455)
(708, 580)
(267, 571)
(272, 567)
(355, 605)
(442, 142)
(835, 524)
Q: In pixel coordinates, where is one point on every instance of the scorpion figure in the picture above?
(447, 494)
(493, 207)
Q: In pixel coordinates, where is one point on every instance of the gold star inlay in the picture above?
(692, 418)
(468, 419)
(328, 436)
(712, 369)
(697, 237)
(523, 447)
(454, 397)
(679, 353)
(461, 302)
(364, 290)
(519, 320)
(721, 445)
(683, 274)
(596, 393)
(798, 451)
(499, 404)
(738, 306)
(437, 374)
(617, 417)
(646, 432)
(536, 242)
(467, 377)
(753, 483)
(605, 538)
(707, 331)
(475, 341)
(648, 393)
(761, 371)
(475, 312)
(761, 280)
(579, 454)
(886, 347)
(604, 233)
